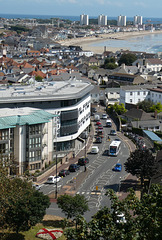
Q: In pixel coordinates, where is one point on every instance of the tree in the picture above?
(127, 58)
(38, 78)
(21, 206)
(142, 164)
(156, 108)
(118, 108)
(143, 219)
(72, 206)
(145, 105)
(110, 63)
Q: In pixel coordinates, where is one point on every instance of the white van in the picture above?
(96, 117)
(108, 123)
(94, 149)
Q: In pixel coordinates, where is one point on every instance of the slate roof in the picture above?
(138, 114)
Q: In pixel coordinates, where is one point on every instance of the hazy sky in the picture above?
(111, 8)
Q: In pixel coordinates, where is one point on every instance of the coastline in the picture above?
(86, 42)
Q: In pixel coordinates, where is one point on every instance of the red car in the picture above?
(98, 123)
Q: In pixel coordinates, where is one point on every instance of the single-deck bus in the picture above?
(114, 148)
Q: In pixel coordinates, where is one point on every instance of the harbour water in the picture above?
(151, 43)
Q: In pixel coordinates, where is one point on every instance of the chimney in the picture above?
(104, 48)
(144, 61)
(155, 114)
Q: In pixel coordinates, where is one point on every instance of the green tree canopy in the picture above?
(142, 219)
(156, 108)
(141, 163)
(72, 206)
(127, 58)
(21, 206)
(110, 63)
(145, 105)
(118, 108)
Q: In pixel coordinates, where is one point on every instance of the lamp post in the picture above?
(56, 175)
(85, 151)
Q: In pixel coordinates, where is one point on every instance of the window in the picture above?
(152, 94)
(144, 93)
(131, 100)
(159, 96)
(138, 93)
(131, 93)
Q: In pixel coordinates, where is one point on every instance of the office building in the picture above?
(84, 19)
(36, 122)
(102, 20)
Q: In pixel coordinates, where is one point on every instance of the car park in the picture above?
(118, 167)
(83, 161)
(113, 132)
(53, 179)
(64, 173)
(74, 167)
(94, 149)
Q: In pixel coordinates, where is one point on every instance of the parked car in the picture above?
(94, 149)
(121, 218)
(98, 123)
(83, 161)
(53, 179)
(113, 132)
(74, 167)
(118, 167)
(94, 110)
(36, 186)
(104, 116)
(98, 139)
(64, 173)
(100, 126)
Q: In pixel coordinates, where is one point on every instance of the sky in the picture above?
(111, 8)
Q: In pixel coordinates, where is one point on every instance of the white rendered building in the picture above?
(84, 19)
(122, 21)
(138, 20)
(102, 20)
(134, 94)
(38, 121)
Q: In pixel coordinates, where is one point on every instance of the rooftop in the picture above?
(44, 91)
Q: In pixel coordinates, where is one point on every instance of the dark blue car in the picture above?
(74, 167)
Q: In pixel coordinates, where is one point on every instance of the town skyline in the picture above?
(74, 7)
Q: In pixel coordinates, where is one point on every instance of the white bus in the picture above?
(114, 148)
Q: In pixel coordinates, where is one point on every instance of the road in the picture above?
(100, 176)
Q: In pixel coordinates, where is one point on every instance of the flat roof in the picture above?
(152, 136)
(18, 117)
(44, 91)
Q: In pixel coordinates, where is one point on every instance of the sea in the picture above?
(149, 43)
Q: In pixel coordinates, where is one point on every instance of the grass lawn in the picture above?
(48, 222)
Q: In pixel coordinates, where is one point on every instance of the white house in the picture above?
(134, 94)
